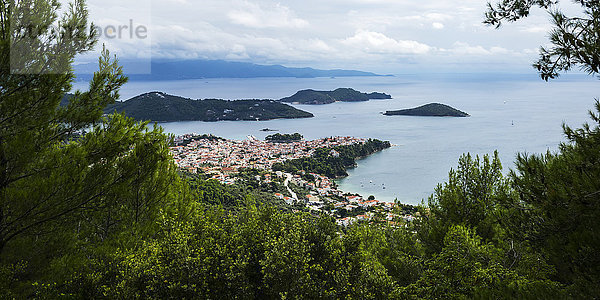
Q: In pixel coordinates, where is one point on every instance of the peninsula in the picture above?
(202, 69)
(327, 97)
(429, 110)
(161, 107)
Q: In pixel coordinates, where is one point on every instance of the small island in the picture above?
(327, 97)
(162, 107)
(429, 110)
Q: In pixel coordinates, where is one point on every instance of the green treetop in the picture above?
(575, 40)
(69, 176)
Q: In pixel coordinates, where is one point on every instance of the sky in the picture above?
(383, 36)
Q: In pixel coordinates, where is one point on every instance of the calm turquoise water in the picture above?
(426, 147)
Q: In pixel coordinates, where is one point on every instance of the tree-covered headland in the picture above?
(332, 162)
(92, 206)
(282, 138)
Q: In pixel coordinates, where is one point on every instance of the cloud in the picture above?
(425, 17)
(255, 16)
(466, 49)
(375, 42)
(460, 48)
(536, 29)
(318, 45)
(335, 33)
(437, 17)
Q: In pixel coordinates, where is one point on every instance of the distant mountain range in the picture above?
(327, 97)
(429, 110)
(198, 69)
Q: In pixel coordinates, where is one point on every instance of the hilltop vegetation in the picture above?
(161, 107)
(334, 162)
(327, 97)
(278, 137)
(429, 110)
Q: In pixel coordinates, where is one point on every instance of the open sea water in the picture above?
(509, 113)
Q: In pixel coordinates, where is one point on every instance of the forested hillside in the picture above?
(429, 110)
(161, 107)
(328, 97)
(333, 162)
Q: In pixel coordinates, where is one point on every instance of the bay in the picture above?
(510, 113)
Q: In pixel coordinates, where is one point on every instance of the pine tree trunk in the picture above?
(3, 186)
(2, 244)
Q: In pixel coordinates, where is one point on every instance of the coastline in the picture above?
(240, 120)
(224, 160)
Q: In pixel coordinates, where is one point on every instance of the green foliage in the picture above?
(471, 198)
(255, 254)
(324, 162)
(67, 195)
(215, 193)
(474, 239)
(468, 268)
(574, 39)
(384, 259)
(284, 137)
(560, 196)
(462, 265)
(246, 192)
(511, 11)
(41, 42)
(39, 162)
(555, 219)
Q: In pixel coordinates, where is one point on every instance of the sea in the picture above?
(510, 113)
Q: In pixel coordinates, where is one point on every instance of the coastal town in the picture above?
(221, 160)
(213, 154)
